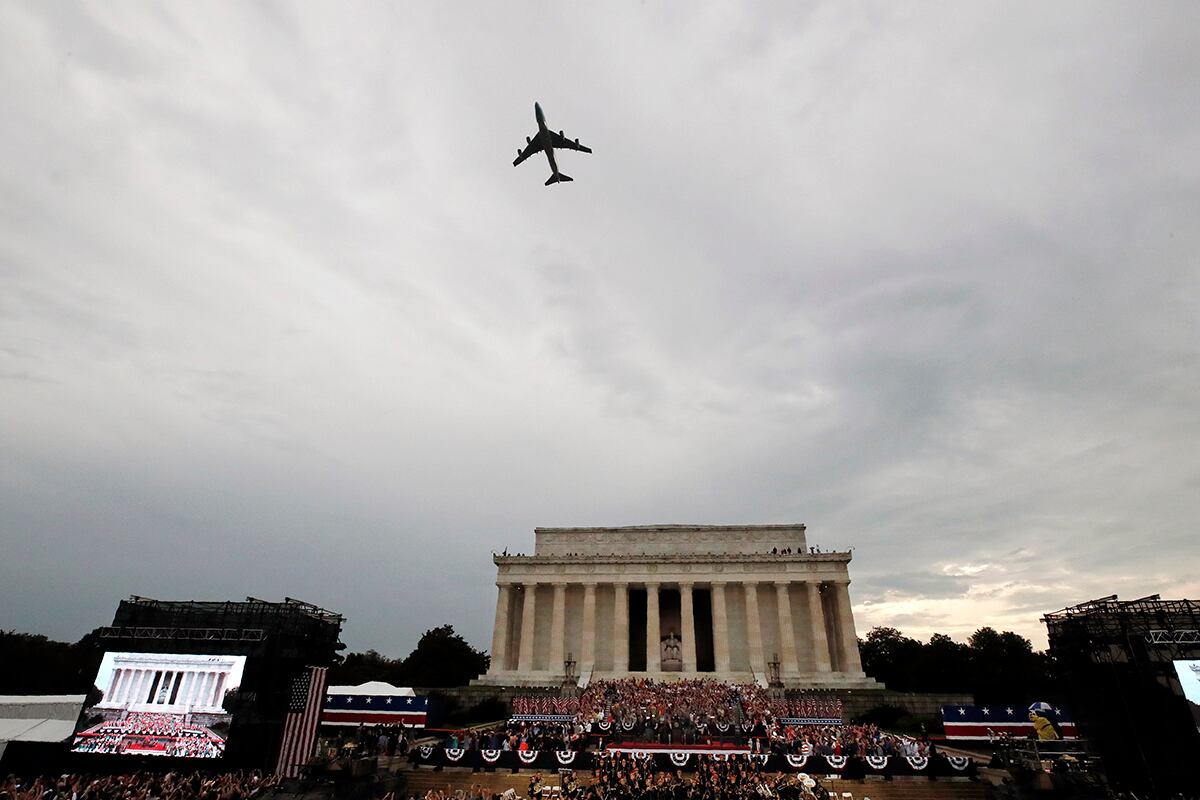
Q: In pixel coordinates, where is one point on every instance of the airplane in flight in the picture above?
(546, 139)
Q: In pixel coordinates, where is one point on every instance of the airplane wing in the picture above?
(531, 148)
(563, 143)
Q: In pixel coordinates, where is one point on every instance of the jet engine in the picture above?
(527, 140)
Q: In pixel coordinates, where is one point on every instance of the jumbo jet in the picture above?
(546, 139)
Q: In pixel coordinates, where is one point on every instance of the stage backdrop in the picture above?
(983, 723)
(374, 703)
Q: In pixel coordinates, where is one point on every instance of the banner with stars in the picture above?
(982, 723)
(374, 709)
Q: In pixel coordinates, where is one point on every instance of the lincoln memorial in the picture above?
(735, 602)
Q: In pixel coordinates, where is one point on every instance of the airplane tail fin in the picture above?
(558, 177)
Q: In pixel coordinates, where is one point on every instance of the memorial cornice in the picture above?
(689, 558)
(146, 660)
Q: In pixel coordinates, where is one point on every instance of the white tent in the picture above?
(38, 718)
(375, 688)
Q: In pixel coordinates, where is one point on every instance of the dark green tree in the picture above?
(443, 658)
(993, 666)
(945, 665)
(33, 664)
(890, 656)
(1004, 664)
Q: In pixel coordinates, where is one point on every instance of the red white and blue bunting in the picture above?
(667, 757)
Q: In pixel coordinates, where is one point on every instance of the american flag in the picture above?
(300, 727)
(981, 723)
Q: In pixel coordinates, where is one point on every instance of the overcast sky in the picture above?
(279, 318)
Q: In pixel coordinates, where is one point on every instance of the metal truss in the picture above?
(201, 634)
(1126, 630)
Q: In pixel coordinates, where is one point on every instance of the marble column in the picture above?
(114, 687)
(137, 680)
(720, 623)
(193, 685)
(754, 630)
(620, 627)
(816, 616)
(558, 628)
(850, 660)
(787, 636)
(219, 694)
(688, 623)
(528, 617)
(500, 631)
(587, 659)
(653, 634)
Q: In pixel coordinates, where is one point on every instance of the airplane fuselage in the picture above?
(544, 137)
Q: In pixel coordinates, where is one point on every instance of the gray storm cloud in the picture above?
(277, 316)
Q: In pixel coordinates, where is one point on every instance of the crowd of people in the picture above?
(621, 777)
(838, 740)
(691, 712)
(522, 736)
(706, 702)
(151, 733)
(139, 786)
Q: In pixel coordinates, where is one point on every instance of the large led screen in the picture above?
(155, 704)
(1189, 679)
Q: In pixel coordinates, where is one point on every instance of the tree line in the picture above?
(993, 666)
(442, 658)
